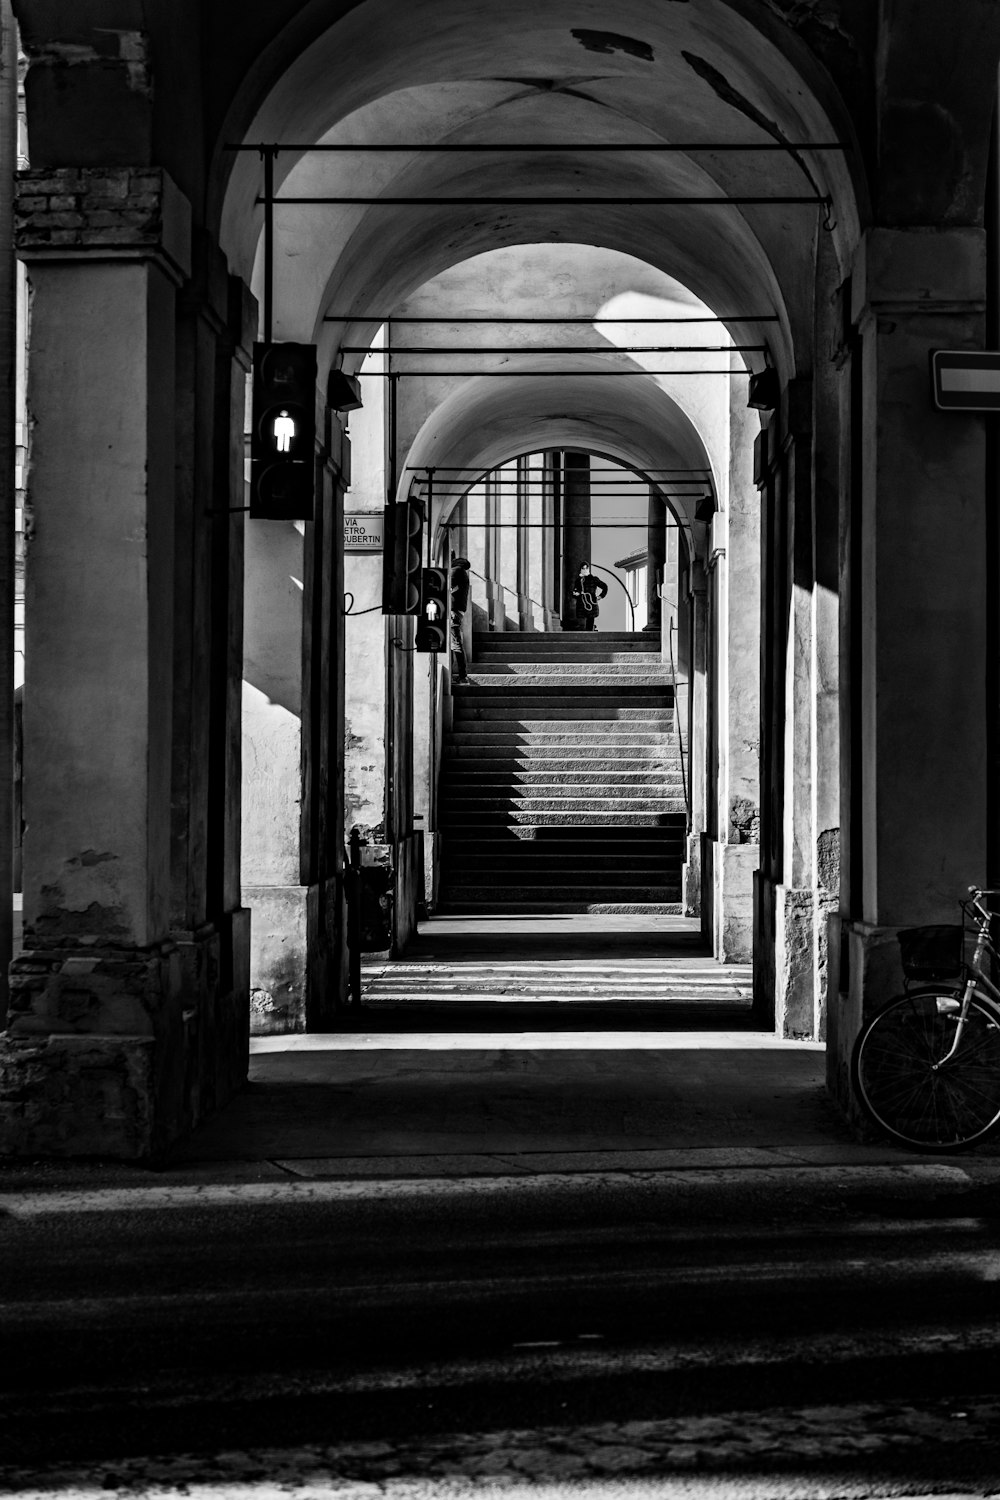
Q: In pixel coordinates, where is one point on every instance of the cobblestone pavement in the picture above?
(947, 1447)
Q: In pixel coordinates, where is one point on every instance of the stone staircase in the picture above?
(561, 785)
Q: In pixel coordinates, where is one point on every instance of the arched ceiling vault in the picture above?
(485, 422)
(523, 74)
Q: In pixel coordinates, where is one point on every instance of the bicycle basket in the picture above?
(930, 953)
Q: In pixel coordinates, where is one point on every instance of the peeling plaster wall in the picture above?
(364, 700)
(366, 626)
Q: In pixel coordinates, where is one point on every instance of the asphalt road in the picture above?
(796, 1330)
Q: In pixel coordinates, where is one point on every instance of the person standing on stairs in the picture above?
(588, 593)
(461, 584)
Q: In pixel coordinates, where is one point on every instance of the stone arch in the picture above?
(863, 486)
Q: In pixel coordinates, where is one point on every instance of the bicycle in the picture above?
(926, 1067)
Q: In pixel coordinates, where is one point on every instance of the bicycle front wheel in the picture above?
(906, 1088)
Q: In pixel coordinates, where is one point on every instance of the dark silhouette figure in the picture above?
(588, 593)
(461, 584)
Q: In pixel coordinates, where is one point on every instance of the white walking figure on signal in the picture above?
(284, 431)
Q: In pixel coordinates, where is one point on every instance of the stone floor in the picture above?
(530, 1046)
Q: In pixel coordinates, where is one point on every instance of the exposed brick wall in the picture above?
(89, 207)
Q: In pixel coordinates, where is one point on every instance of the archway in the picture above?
(747, 154)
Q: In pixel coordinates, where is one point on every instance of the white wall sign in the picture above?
(363, 531)
(965, 379)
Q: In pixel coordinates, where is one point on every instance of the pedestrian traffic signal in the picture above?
(283, 436)
(432, 626)
(403, 538)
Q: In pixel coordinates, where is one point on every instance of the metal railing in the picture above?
(677, 726)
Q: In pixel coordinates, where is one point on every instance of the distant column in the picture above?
(575, 527)
(525, 620)
(8, 295)
(547, 540)
(656, 546)
(493, 555)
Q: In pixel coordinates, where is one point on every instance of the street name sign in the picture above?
(965, 380)
(363, 531)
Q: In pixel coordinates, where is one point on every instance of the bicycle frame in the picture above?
(975, 979)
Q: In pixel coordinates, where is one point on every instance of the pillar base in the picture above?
(794, 973)
(278, 958)
(727, 898)
(865, 972)
(409, 890)
(790, 957)
(118, 1053)
(691, 876)
(297, 960)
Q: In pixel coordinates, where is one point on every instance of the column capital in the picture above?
(919, 270)
(80, 213)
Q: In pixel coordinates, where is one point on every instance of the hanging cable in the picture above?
(350, 610)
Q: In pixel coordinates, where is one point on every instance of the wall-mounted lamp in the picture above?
(705, 509)
(765, 390)
(343, 392)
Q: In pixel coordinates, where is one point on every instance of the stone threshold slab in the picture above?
(326, 1180)
(531, 1041)
(562, 1163)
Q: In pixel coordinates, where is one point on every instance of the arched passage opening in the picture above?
(657, 388)
(834, 226)
(739, 252)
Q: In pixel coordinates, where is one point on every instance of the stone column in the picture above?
(830, 408)
(459, 533)
(525, 618)
(323, 730)
(111, 1050)
(293, 730)
(8, 499)
(923, 608)
(696, 707)
(508, 544)
(656, 544)
(549, 477)
(539, 520)
(215, 331)
(797, 1002)
(575, 528)
(736, 541)
(493, 550)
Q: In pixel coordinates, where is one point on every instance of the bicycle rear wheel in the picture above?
(896, 1083)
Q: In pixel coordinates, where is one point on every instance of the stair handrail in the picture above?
(612, 574)
(532, 600)
(508, 590)
(677, 727)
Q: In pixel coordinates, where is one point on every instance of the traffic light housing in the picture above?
(402, 544)
(283, 435)
(435, 610)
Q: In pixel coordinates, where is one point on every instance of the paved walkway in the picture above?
(608, 971)
(524, 1046)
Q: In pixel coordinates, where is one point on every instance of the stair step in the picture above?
(567, 761)
(565, 908)
(586, 753)
(535, 817)
(600, 836)
(547, 711)
(653, 867)
(559, 795)
(565, 684)
(592, 734)
(620, 668)
(477, 783)
(548, 889)
(577, 685)
(544, 640)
